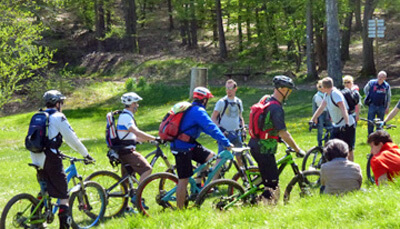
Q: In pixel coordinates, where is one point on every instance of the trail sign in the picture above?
(376, 28)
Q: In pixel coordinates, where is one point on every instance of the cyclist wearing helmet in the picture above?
(343, 123)
(263, 150)
(50, 160)
(196, 120)
(130, 134)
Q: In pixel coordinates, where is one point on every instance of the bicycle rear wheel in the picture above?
(87, 205)
(17, 212)
(308, 184)
(370, 175)
(156, 193)
(313, 159)
(219, 194)
(117, 197)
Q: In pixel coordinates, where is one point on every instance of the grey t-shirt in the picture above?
(230, 120)
(334, 111)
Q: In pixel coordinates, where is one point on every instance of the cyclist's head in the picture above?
(52, 97)
(128, 98)
(327, 82)
(283, 85)
(335, 148)
(379, 136)
(200, 93)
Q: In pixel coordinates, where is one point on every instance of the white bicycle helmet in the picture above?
(129, 98)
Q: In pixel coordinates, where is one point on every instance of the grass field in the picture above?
(86, 108)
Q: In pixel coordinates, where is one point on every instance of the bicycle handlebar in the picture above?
(74, 159)
(379, 124)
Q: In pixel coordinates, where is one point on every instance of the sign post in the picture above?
(376, 29)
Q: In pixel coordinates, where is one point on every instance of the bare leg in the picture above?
(351, 156)
(145, 174)
(181, 192)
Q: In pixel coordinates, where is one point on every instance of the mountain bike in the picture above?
(87, 203)
(223, 194)
(157, 192)
(380, 125)
(314, 157)
(119, 190)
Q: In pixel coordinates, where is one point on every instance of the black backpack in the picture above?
(352, 98)
(37, 138)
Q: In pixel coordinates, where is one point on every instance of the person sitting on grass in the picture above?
(339, 175)
(385, 162)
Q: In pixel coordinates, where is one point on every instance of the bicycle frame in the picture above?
(224, 156)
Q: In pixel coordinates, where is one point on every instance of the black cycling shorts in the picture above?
(55, 177)
(183, 160)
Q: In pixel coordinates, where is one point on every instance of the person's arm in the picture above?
(357, 112)
(392, 114)
(141, 136)
(70, 137)
(383, 179)
(366, 88)
(319, 111)
(285, 135)
(388, 98)
(214, 116)
(209, 127)
(343, 109)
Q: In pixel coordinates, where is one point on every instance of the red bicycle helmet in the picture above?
(201, 93)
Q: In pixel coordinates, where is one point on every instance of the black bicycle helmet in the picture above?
(52, 97)
(283, 81)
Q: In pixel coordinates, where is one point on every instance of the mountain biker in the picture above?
(196, 120)
(50, 160)
(343, 123)
(263, 150)
(324, 119)
(227, 115)
(385, 162)
(130, 135)
(339, 175)
(378, 96)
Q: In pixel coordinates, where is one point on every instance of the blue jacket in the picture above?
(380, 95)
(197, 120)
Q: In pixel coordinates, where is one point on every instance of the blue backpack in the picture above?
(37, 138)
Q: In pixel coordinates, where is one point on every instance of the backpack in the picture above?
(170, 125)
(225, 107)
(352, 98)
(112, 139)
(257, 119)
(37, 137)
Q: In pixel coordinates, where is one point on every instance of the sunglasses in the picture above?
(346, 82)
(230, 88)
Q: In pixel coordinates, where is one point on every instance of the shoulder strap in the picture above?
(223, 111)
(126, 135)
(333, 100)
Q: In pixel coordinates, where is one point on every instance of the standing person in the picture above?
(385, 162)
(50, 160)
(348, 82)
(263, 150)
(378, 96)
(324, 121)
(339, 175)
(130, 135)
(227, 115)
(343, 124)
(196, 120)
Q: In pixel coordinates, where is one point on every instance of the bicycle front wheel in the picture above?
(117, 195)
(313, 159)
(220, 194)
(87, 205)
(370, 175)
(156, 193)
(17, 213)
(308, 184)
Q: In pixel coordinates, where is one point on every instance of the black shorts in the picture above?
(55, 177)
(347, 135)
(184, 160)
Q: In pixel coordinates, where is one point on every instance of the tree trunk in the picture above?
(260, 40)
(357, 15)
(131, 25)
(171, 19)
(240, 33)
(334, 62)
(248, 23)
(193, 26)
(183, 33)
(223, 52)
(100, 24)
(368, 67)
(311, 68)
(345, 54)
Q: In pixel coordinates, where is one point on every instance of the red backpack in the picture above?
(257, 119)
(170, 125)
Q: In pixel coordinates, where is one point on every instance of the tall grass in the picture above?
(86, 109)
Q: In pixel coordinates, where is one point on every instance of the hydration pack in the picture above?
(352, 98)
(257, 119)
(112, 139)
(169, 129)
(37, 138)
